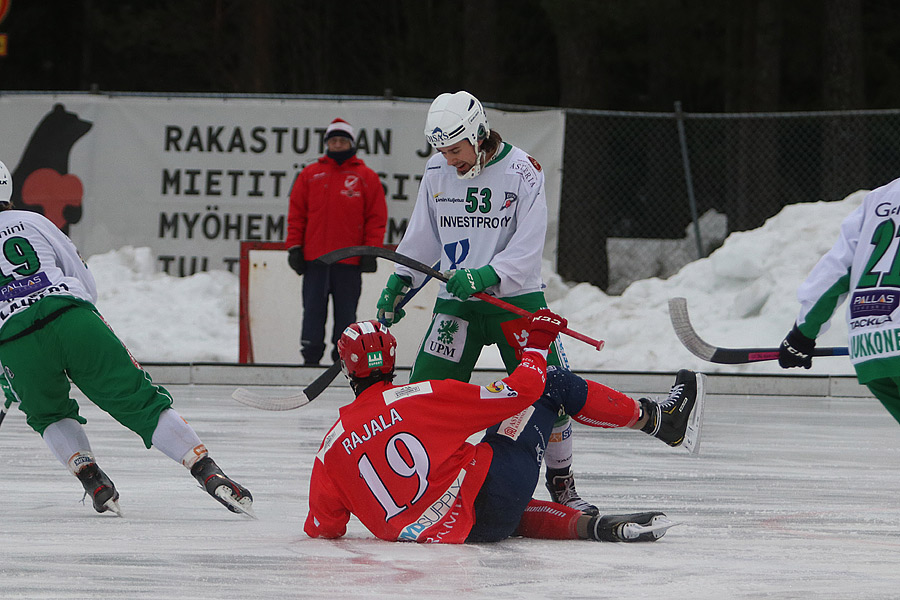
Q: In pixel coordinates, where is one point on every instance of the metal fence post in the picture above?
(686, 163)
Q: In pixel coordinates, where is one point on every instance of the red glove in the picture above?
(545, 325)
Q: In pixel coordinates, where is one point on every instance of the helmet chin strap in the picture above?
(480, 159)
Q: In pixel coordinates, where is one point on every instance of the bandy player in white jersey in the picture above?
(51, 332)
(862, 264)
(481, 211)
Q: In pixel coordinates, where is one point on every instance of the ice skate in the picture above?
(636, 527)
(561, 485)
(100, 488)
(228, 492)
(678, 419)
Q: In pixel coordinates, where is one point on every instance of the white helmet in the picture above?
(455, 117)
(6, 185)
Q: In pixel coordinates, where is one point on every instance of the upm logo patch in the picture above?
(447, 337)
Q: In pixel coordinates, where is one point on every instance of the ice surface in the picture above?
(790, 497)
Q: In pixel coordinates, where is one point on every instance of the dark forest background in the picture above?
(641, 55)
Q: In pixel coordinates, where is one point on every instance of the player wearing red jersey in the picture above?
(398, 457)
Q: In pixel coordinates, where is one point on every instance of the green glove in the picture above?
(465, 282)
(391, 295)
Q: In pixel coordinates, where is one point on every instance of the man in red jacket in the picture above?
(336, 202)
(398, 457)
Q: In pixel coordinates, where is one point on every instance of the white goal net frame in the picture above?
(271, 308)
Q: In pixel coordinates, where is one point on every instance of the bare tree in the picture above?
(576, 25)
(844, 139)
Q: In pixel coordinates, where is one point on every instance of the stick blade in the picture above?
(681, 322)
(309, 393)
(262, 402)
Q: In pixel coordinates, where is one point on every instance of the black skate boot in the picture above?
(100, 488)
(231, 494)
(561, 485)
(679, 417)
(636, 527)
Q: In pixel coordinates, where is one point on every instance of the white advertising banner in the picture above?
(192, 177)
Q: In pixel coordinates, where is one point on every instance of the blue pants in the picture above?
(516, 464)
(343, 283)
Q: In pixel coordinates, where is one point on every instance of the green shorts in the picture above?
(78, 344)
(887, 390)
(460, 330)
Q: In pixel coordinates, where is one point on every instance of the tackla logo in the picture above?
(41, 181)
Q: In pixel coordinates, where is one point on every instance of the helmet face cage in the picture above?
(456, 117)
(366, 348)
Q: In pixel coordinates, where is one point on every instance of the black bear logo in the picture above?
(41, 181)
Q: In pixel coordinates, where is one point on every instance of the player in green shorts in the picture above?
(481, 211)
(51, 332)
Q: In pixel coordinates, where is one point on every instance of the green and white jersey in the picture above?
(863, 264)
(37, 260)
(499, 218)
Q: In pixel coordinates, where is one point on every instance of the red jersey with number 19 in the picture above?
(398, 458)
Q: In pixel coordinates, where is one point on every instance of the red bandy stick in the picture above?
(337, 255)
(598, 344)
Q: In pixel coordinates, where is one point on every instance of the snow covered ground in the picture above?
(789, 498)
(743, 295)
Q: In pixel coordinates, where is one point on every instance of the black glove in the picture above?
(368, 264)
(295, 259)
(796, 350)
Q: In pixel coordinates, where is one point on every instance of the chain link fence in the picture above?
(643, 194)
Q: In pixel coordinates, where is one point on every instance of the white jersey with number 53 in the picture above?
(498, 218)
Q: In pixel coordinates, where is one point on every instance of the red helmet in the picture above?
(366, 348)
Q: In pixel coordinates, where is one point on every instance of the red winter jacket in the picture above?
(334, 206)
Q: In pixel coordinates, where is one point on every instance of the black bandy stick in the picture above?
(309, 393)
(681, 322)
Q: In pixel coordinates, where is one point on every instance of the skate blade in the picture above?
(695, 420)
(113, 506)
(225, 496)
(658, 527)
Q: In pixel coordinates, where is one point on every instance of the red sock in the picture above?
(605, 407)
(549, 521)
